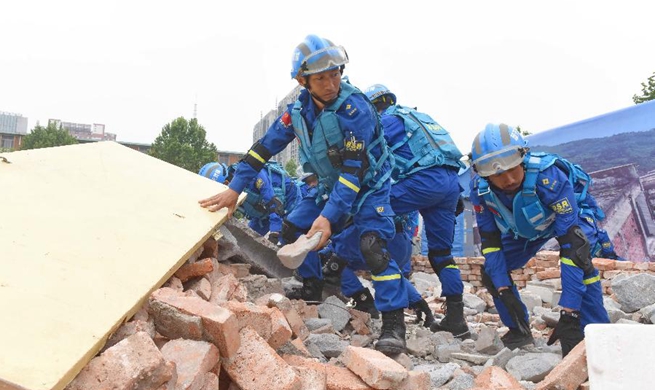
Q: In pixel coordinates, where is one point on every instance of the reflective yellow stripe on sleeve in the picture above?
(384, 278)
(489, 250)
(256, 155)
(452, 266)
(348, 184)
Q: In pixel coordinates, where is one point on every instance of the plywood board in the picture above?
(87, 232)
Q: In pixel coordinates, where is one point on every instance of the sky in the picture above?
(135, 66)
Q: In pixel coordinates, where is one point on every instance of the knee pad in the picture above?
(432, 253)
(374, 251)
(289, 232)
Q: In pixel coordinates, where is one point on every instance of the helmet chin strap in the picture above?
(325, 103)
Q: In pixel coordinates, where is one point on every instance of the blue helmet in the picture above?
(316, 55)
(376, 91)
(215, 171)
(497, 149)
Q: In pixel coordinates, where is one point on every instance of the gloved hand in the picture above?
(460, 206)
(515, 309)
(568, 330)
(274, 237)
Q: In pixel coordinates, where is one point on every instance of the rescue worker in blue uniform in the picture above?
(425, 173)
(261, 207)
(522, 199)
(340, 272)
(307, 181)
(286, 192)
(341, 141)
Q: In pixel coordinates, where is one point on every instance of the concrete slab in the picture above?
(87, 232)
(618, 355)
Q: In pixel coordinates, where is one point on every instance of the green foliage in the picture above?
(647, 91)
(291, 168)
(183, 143)
(602, 153)
(46, 137)
(523, 133)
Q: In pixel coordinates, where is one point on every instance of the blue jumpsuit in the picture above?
(579, 291)
(265, 218)
(291, 191)
(434, 193)
(357, 120)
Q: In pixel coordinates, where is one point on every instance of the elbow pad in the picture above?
(574, 246)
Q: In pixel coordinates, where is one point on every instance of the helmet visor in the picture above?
(324, 59)
(498, 162)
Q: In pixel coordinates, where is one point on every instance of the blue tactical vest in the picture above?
(253, 206)
(327, 137)
(429, 143)
(530, 218)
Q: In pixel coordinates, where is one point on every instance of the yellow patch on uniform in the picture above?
(353, 145)
(545, 181)
(607, 244)
(562, 206)
(259, 183)
(590, 220)
(348, 106)
(379, 209)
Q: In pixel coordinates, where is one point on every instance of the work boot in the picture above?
(392, 336)
(421, 307)
(454, 321)
(364, 302)
(311, 290)
(515, 339)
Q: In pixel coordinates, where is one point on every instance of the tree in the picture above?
(522, 132)
(291, 168)
(183, 143)
(647, 91)
(46, 137)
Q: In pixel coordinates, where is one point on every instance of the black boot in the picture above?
(311, 290)
(364, 302)
(421, 307)
(392, 336)
(454, 321)
(515, 339)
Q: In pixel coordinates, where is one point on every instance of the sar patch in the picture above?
(259, 183)
(562, 206)
(285, 119)
(352, 145)
(380, 209)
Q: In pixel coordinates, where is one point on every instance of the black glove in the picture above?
(274, 237)
(516, 310)
(568, 330)
(460, 206)
(333, 266)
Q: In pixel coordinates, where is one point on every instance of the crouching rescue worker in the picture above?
(522, 199)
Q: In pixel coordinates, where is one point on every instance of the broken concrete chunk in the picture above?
(292, 255)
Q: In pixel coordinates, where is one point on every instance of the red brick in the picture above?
(341, 378)
(312, 373)
(624, 265)
(228, 288)
(199, 268)
(296, 323)
(193, 359)
(375, 368)
(269, 323)
(570, 373)
(416, 380)
(549, 274)
(134, 363)
(256, 366)
(493, 377)
(604, 264)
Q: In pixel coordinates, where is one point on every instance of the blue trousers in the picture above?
(434, 193)
(374, 215)
(579, 292)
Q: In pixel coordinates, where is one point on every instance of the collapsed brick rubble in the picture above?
(216, 325)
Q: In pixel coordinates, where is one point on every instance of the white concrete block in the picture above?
(292, 255)
(618, 356)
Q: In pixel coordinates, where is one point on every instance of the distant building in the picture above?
(291, 151)
(228, 158)
(12, 129)
(84, 132)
